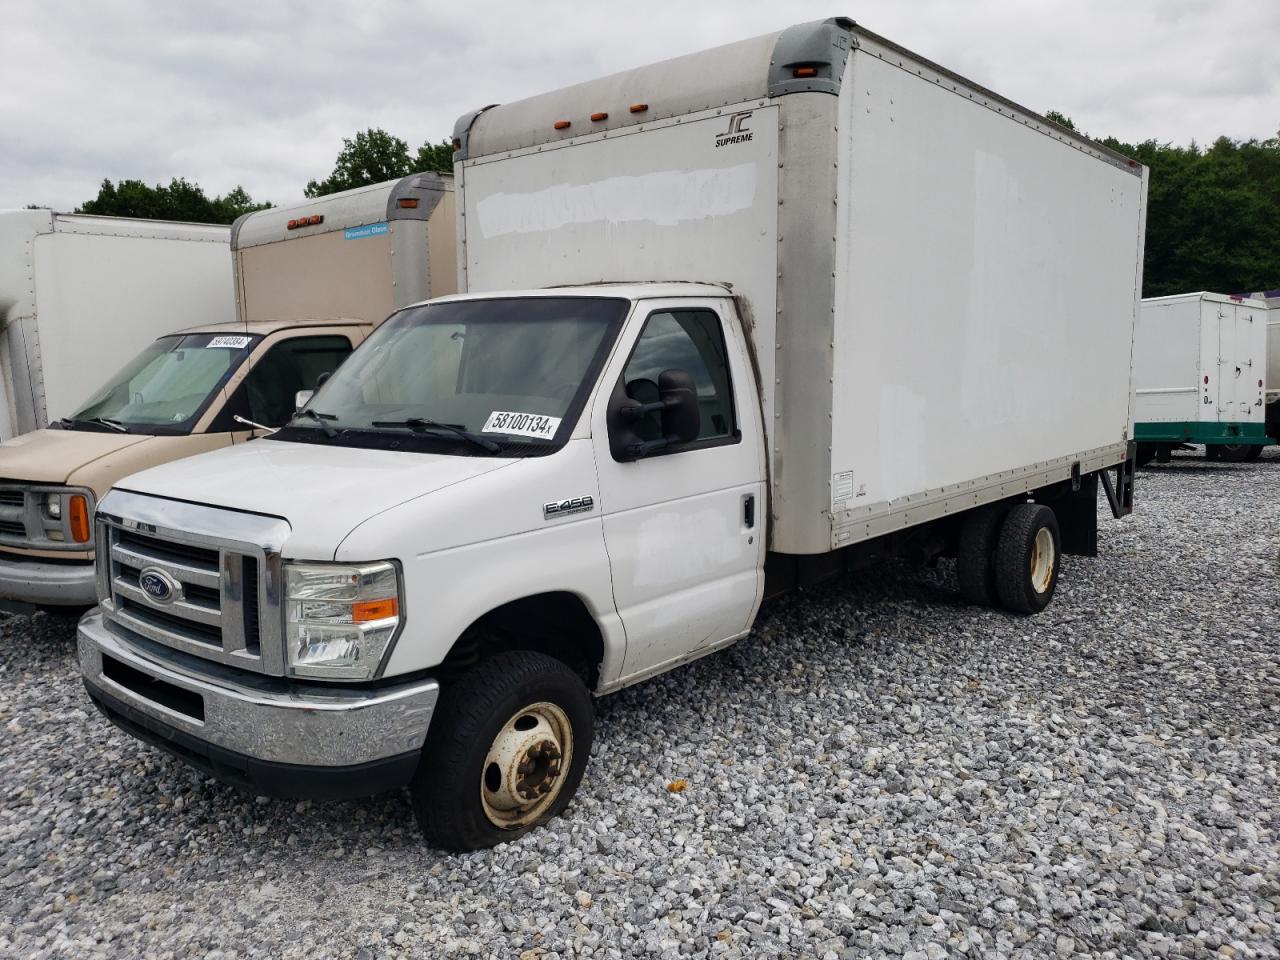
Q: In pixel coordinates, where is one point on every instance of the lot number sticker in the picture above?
(237, 343)
(521, 424)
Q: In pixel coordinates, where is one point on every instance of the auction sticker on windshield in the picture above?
(237, 343)
(521, 424)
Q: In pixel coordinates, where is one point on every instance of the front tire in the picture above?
(505, 752)
(1028, 558)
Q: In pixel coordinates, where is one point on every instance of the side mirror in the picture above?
(681, 418)
(301, 399)
(676, 406)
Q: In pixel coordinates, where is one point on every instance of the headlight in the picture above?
(339, 618)
(53, 505)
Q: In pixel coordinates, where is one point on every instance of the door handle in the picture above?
(749, 511)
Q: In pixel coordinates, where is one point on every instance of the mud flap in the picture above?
(1120, 493)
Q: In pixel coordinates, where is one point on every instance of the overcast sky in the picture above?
(261, 93)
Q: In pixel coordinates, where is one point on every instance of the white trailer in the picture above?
(81, 295)
(1199, 373)
(788, 306)
(361, 253)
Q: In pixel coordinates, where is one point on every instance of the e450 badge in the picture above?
(562, 508)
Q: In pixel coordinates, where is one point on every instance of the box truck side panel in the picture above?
(690, 200)
(101, 298)
(1166, 362)
(986, 292)
(442, 240)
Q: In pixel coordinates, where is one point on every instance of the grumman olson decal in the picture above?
(738, 131)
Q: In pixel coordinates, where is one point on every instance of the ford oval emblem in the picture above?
(159, 587)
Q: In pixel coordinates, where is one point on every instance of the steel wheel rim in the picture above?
(525, 768)
(1044, 557)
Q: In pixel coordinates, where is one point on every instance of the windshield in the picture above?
(167, 386)
(474, 376)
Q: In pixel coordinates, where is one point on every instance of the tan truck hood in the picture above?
(52, 456)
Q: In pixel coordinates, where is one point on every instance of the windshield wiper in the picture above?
(320, 418)
(113, 424)
(423, 425)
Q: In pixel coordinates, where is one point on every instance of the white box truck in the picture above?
(1272, 299)
(791, 316)
(352, 257)
(1199, 371)
(81, 295)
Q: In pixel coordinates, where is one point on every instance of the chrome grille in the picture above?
(225, 602)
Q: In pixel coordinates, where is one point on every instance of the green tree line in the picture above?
(1213, 213)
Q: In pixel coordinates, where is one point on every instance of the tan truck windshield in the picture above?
(168, 386)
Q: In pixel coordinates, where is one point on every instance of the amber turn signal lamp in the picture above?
(365, 610)
(805, 72)
(79, 518)
(408, 203)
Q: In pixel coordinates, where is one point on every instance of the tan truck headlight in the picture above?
(339, 618)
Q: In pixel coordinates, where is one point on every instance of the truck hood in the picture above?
(52, 456)
(324, 492)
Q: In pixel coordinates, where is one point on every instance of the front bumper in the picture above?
(46, 582)
(268, 735)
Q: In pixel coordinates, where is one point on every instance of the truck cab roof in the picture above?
(264, 327)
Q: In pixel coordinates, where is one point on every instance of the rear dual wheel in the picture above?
(1237, 452)
(1010, 558)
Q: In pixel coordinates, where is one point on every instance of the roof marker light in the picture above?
(805, 72)
(638, 107)
(408, 203)
(562, 124)
(597, 117)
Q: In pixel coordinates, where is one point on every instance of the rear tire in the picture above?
(505, 752)
(975, 556)
(1237, 452)
(1028, 557)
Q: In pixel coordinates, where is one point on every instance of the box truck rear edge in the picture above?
(818, 300)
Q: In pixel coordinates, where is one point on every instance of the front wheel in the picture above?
(1027, 558)
(506, 750)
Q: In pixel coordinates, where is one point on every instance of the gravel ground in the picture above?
(878, 770)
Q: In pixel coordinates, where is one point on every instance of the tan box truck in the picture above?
(834, 344)
(356, 255)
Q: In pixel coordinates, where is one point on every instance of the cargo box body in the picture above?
(1200, 369)
(941, 287)
(360, 254)
(81, 295)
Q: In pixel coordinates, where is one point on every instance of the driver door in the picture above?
(683, 526)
